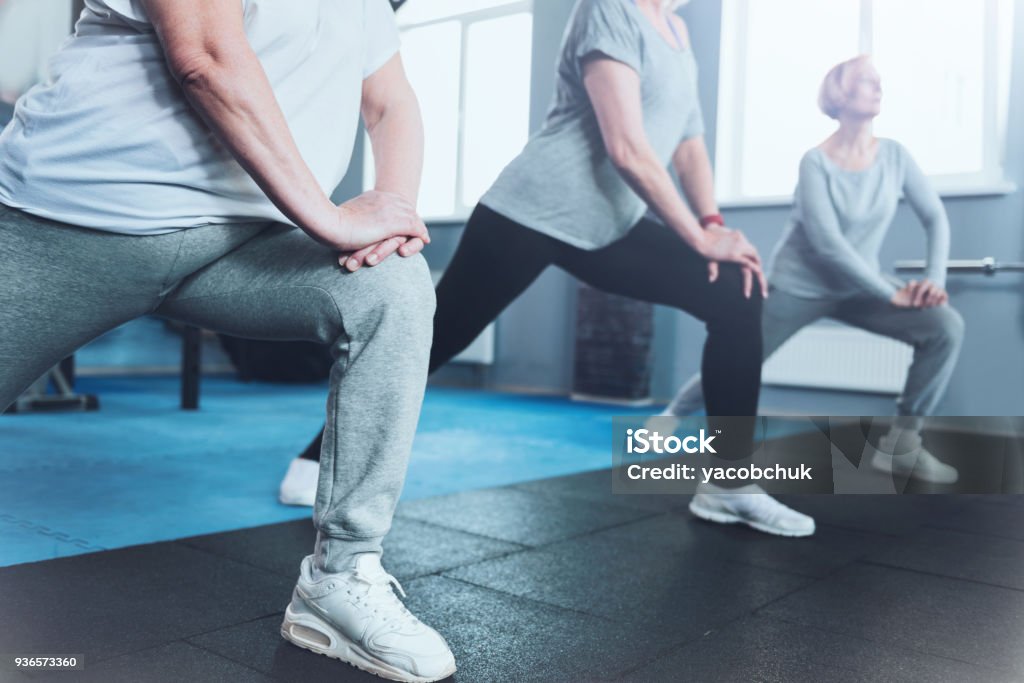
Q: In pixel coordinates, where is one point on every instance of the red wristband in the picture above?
(712, 219)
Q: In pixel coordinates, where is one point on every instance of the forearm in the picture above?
(397, 142)
(233, 96)
(652, 182)
(693, 166)
(929, 209)
(938, 250)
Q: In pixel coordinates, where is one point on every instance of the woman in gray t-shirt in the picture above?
(826, 264)
(625, 107)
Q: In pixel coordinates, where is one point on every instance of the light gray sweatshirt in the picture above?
(840, 218)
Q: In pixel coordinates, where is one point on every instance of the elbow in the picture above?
(625, 154)
(193, 70)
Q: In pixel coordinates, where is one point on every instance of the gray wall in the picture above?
(535, 335)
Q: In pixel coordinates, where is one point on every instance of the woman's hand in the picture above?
(719, 243)
(379, 221)
(375, 253)
(920, 294)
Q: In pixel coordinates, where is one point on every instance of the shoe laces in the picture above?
(381, 599)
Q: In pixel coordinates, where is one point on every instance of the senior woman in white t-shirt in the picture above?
(179, 162)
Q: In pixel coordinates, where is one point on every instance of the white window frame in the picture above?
(461, 211)
(730, 147)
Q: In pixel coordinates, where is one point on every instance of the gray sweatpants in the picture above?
(936, 334)
(61, 286)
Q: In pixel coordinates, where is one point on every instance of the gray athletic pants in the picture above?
(935, 333)
(61, 286)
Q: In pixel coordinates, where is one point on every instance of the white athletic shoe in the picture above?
(917, 463)
(354, 616)
(299, 484)
(749, 505)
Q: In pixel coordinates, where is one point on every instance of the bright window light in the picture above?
(947, 82)
(497, 122)
(469, 63)
(422, 11)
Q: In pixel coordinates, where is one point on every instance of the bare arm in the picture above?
(614, 90)
(209, 54)
(391, 115)
(693, 166)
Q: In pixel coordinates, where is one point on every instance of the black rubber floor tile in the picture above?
(597, 486)
(495, 637)
(110, 603)
(676, 592)
(889, 515)
(959, 555)
(415, 548)
(498, 637)
(275, 547)
(517, 516)
(973, 623)
(772, 651)
(171, 663)
(826, 551)
(412, 549)
(258, 644)
(997, 518)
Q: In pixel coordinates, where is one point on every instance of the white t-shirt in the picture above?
(110, 142)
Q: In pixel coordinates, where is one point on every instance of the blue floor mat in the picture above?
(140, 470)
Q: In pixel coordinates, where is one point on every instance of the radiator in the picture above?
(825, 356)
(481, 351)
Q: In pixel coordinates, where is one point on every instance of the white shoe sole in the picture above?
(728, 518)
(309, 632)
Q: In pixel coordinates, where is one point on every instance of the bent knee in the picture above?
(399, 286)
(948, 326)
(733, 308)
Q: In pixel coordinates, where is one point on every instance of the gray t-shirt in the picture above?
(840, 218)
(563, 183)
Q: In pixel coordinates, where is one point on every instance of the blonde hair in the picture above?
(833, 94)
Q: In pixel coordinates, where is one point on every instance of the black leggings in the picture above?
(497, 259)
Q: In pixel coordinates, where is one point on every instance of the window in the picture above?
(469, 63)
(945, 68)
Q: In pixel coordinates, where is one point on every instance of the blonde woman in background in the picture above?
(826, 265)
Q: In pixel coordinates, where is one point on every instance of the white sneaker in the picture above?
(749, 505)
(917, 463)
(354, 616)
(299, 484)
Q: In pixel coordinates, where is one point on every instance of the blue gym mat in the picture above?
(141, 470)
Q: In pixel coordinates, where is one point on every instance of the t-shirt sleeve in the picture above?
(605, 27)
(694, 123)
(380, 35)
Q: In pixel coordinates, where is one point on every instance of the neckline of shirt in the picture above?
(876, 162)
(678, 48)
